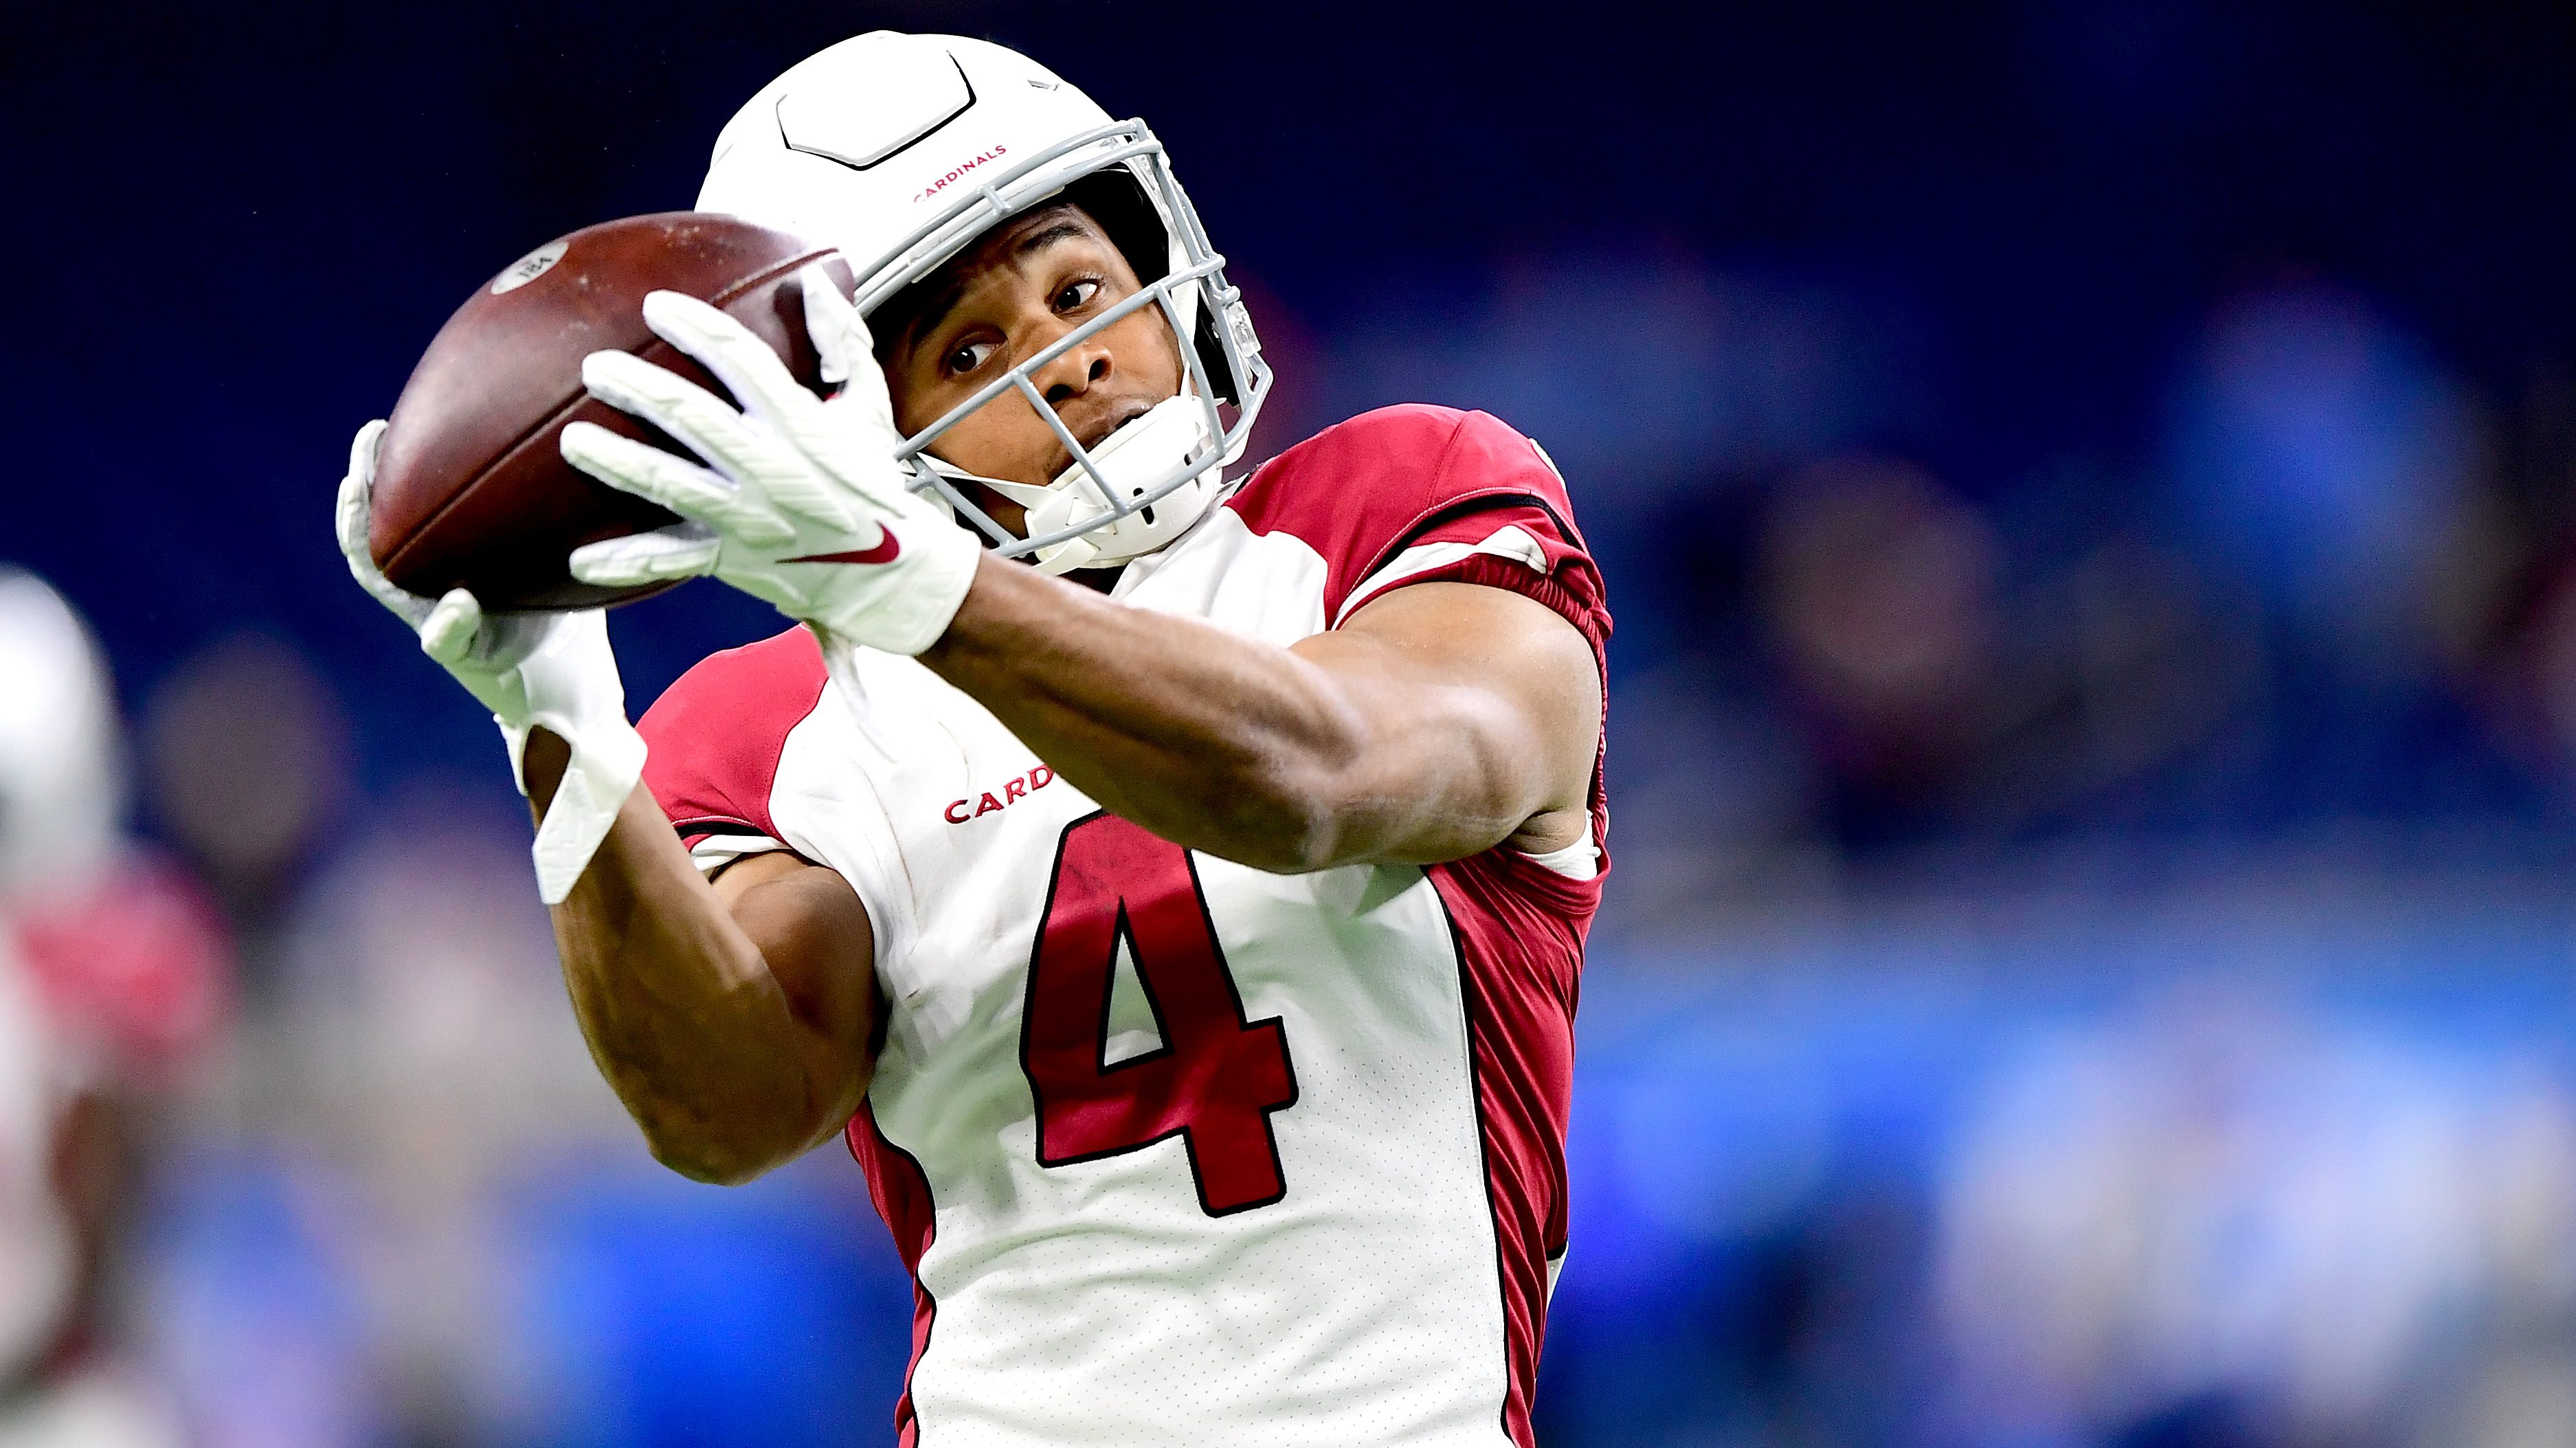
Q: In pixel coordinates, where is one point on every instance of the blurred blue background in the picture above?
(2085, 490)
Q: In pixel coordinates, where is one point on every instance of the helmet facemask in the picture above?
(1146, 483)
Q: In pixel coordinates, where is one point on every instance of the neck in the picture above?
(1100, 580)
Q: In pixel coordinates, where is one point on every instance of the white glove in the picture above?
(529, 669)
(805, 504)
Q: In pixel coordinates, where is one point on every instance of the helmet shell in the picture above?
(61, 764)
(858, 144)
(900, 151)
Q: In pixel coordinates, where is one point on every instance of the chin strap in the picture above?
(1137, 454)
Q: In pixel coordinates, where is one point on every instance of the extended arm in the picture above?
(732, 1018)
(1440, 720)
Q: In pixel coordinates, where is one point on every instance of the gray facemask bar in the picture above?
(1014, 191)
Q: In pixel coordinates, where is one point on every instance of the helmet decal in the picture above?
(835, 149)
(866, 129)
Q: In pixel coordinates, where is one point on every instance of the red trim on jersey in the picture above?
(713, 739)
(1359, 495)
(1572, 592)
(1366, 490)
(1361, 492)
(1559, 591)
(901, 1191)
(1519, 929)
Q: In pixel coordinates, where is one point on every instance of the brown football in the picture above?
(470, 489)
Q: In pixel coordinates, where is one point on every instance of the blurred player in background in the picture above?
(1175, 888)
(112, 972)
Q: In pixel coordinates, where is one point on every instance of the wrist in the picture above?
(543, 758)
(964, 624)
(910, 606)
(994, 615)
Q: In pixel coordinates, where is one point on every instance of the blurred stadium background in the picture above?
(2089, 496)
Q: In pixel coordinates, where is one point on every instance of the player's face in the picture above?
(1027, 285)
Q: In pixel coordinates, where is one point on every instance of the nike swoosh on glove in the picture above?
(802, 502)
(529, 669)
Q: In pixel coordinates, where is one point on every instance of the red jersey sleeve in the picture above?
(1418, 494)
(713, 739)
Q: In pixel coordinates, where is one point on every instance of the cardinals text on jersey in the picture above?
(1179, 1151)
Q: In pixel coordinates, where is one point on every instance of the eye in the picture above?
(1077, 294)
(965, 357)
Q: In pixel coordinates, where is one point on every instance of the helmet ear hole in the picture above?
(1212, 354)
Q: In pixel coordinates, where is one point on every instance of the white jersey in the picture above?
(1180, 1151)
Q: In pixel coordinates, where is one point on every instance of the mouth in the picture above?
(1091, 434)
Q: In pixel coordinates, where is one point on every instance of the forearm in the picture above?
(683, 1013)
(1249, 751)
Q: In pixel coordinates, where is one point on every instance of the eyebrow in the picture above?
(934, 316)
(1062, 229)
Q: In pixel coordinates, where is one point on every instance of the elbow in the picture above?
(1293, 797)
(1293, 820)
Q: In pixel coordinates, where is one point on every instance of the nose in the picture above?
(1075, 371)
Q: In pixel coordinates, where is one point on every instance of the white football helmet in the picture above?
(60, 789)
(61, 767)
(900, 151)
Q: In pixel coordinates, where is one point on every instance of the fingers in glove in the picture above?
(447, 635)
(353, 516)
(841, 340)
(355, 512)
(829, 315)
(727, 348)
(362, 454)
(705, 423)
(676, 483)
(740, 449)
(686, 551)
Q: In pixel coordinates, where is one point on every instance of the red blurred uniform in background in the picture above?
(114, 972)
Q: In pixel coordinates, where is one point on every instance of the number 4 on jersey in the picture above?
(1217, 1076)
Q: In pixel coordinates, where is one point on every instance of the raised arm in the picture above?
(1438, 721)
(732, 1017)
(1442, 719)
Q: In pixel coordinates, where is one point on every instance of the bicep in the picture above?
(814, 933)
(1485, 715)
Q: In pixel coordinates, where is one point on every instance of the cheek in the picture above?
(1145, 350)
(1001, 439)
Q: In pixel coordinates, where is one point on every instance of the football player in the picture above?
(114, 974)
(1174, 888)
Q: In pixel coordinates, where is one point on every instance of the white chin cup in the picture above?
(1129, 461)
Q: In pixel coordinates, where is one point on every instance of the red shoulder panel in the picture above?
(1364, 491)
(714, 737)
(1361, 492)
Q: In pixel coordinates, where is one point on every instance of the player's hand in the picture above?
(532, 670)
(802, 502)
